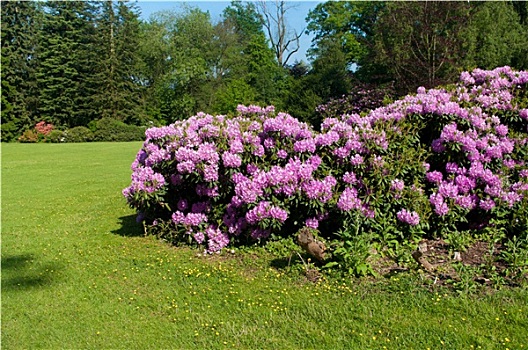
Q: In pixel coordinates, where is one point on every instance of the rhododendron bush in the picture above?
(433, 162)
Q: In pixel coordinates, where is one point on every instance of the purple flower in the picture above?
(199, 237)
(178, 217)
(282, 154)
(411, 218)
(207, 153)
(487, 204)
(319, 189)
(186, 167)
(247, 191)
(182, 205)
(341, 152)
(348, 200)
(448, 190)
(511, 198)
(502, 130)
(327, 139)
(200, 207)
(356, 160)
(314, 161)
(467, 202)
(194, 219)
(434, 177)
(426, 166)
(216, 239)
(231, 160)
(236, 146)
(307, 145)
(450, 133)
(367, 211)
(350, 178)
(259, 151)
(438, 203)
(158, 133)
(176, 179)
(494, 191)
(211, 172)
(144, 180)
(312, 223)
(258, 233)
(278, 214)
(464, 183)
(509, 163)
(437, 146)
(258, 213)
(397, 185)
(452, 168)
(441, 209)
(378, 161)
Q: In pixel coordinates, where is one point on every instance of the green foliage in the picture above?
(19, 54)
(78, 134)
(348, 24)
(56, 136)
(235, 92)
(65, 80)
(302, 101)
(426, 43)
(516, 255)
(108, 129)
(68, 63)
(420, 43)
(353, 250)
(212, 67)
(117, 92)
(494, 36)
(330, 75)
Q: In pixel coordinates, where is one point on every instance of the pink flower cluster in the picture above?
(44, 128)
(486, 173)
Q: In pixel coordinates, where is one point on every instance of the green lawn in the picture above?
(78, 273)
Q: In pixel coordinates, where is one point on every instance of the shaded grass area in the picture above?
(77, 272)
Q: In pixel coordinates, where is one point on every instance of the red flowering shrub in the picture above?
(39, 133)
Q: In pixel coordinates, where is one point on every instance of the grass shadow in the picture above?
(129, 227)
(20, 273)
(16, 261)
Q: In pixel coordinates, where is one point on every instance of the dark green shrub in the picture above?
(78, 134)
(107, 129)
(56, 136)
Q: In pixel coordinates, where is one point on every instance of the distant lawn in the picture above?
(78, 273)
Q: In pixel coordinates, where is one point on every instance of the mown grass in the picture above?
(77, 272)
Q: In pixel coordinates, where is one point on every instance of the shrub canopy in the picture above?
(436, 162)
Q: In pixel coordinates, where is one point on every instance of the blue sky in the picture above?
(295, 16)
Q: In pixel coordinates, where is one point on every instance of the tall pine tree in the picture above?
(67, 58)
(20, 25)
